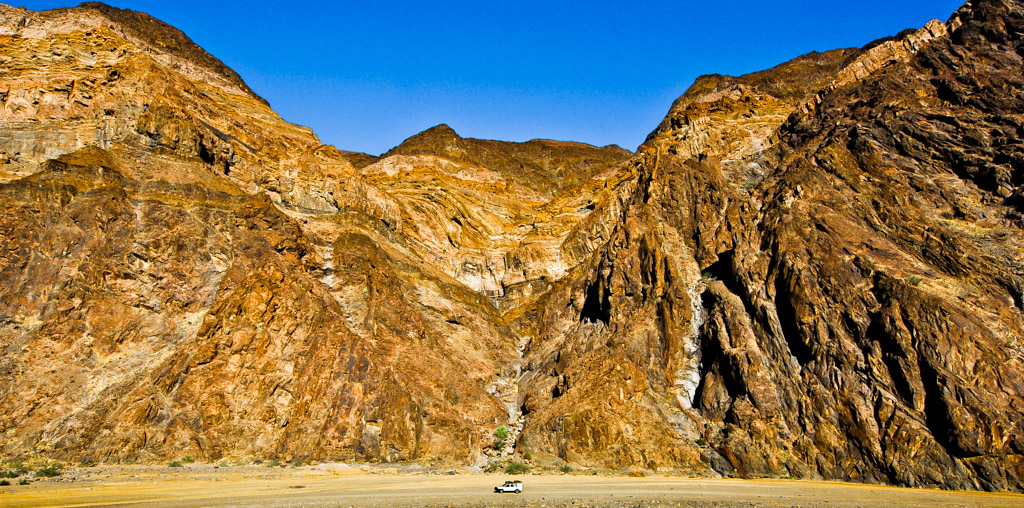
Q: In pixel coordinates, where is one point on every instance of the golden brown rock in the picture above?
(811, 271)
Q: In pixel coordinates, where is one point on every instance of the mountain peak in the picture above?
(442, 129)
(168, 39)
(436, 140)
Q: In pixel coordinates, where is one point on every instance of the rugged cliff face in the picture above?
(823, 278)
(812, 271)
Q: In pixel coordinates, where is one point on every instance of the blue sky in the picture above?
(366, 75)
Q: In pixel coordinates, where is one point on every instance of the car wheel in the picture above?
(519, 491)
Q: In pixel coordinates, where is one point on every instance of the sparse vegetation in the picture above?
(4, 483)
(222, 463)
(565, 469)
(257, 461)
(492, 467)
(527, 456)
(23, 481)
(187, 459)
(49, 470)
(174, 463)
(702, 442)
(16, 469)
(499, 444)
(274, 463)
(297, 463)
(501, 432)
(707, 277)
(517, 468)
(914, 280)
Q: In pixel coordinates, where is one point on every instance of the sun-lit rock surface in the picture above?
(811, 271)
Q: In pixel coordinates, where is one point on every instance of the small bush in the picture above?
(702, 442)
(501, 432)
(297, 463)
(527, 456)
(499, 444)
(188, 459)
(708, 277)
(23, 481)
(222, 463)
(516, 468)
(257, 461)
(566, 468)
(492, 467)
(914, 280)
(17, 469)
(274, 463)
(4, 483)
(49, 471)
(174, 463)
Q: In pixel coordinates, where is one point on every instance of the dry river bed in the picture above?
(340, 485)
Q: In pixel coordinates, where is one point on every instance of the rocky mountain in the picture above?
(813, 271)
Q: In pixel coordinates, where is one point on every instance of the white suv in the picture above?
(510, 486)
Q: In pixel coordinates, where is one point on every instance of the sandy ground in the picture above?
(347, 486)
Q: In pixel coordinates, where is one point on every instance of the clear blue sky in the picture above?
(367, 74)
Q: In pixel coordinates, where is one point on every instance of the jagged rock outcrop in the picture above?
(858, 312)
(813, 271)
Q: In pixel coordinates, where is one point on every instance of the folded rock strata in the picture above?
(813, 271)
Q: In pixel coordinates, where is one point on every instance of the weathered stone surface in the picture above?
(859, 245)
(812, 271)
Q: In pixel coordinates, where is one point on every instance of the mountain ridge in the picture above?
(811, 271)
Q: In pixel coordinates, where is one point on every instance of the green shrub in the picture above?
(274, 463)
(516, 468)
(566, 468)
(174, 463)
(23, 481)
(297, 463)
(501, 432)
(702, 442)
(257, 461)
(499, 444)
(492, 467)
(527, 456)
(188, 459)
(49, 471)
(707, 277)
(17, 469)
(4, 483)
(914, 280)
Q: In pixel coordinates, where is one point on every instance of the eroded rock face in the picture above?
(811, 271)
(858, 239)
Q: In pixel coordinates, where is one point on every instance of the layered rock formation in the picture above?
(825, 276)
(811, 271)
